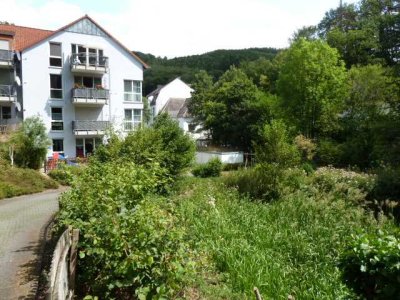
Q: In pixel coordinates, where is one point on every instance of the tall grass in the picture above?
(18, 181)
(287, 247)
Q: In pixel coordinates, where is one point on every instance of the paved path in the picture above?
(22, 224)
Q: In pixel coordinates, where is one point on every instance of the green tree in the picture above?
(202, 87)
(370, 119)
(232, 108)
(276, 147)
(31, 143)
(179, 147)
(312, 85)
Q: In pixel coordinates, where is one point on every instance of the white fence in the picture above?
(63, 266)
(225, 157)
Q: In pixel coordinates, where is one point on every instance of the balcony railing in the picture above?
(6, 57)
(89, 127)
(90, 96)
(6, 93)
(89, 62)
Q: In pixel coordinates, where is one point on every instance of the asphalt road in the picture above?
(23, 221)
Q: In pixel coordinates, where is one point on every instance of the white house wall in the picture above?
(175, 89)
(36, 84)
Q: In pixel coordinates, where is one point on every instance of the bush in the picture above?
(179, 147)
(387, 183)
(344, 184)
(210, 169)
(231, 167)
(165, 143)
(306, 147)
(371, 265)
(128, 240)
(265, 182)
(308, 168)
(65, 174)
(275, 147)
(30, 141)
(329, 153)
(386, 191)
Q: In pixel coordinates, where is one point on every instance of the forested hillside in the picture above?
(215, 63)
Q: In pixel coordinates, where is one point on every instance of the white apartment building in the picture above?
(79, 79)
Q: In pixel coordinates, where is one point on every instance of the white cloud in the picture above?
(182, 27)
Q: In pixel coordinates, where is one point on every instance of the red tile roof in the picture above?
(25, 36)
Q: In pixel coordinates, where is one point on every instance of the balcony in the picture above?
(8, 125)
(88, 63)
(6, 59)
(89, 127)
(7, 93)
(90, 96)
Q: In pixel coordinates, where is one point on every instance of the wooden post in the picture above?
(257, 293)
(73, 258)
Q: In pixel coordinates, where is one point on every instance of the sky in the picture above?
(178, 27)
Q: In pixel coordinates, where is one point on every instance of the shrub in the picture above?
(265, 182)
(306, 147)
(179, 147)
(387, 191)
(231, 167)
(65, 174)
(128, 242)
(371, 265)
(210, 169)
(275, 147)
(308, 168)
(387, 183)
(31, 143)
(164, 143)
(329, 153)
(344, 184)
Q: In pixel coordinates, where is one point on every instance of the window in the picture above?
(132, 90)
(4, 45)
(86, 146)
(82, 55)
(55, 55)
(55, 86)
(57, 119)
(133, 119)
(87, 82)
(5, 112)
(58, 146)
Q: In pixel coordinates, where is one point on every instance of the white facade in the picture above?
(175, 89)
(36, 85)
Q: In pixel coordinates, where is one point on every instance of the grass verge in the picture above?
(17, 181)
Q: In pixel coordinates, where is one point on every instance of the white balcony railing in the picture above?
(7, 93)
(88, 63)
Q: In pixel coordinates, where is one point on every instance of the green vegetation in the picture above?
(372, 265)
(129, 242)
(289, 225)
(164, 70)
(18, 181)
(289, 247)
(212, 168)
(30, 143)
(65, 174)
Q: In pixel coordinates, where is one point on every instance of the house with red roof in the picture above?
(79, 79)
